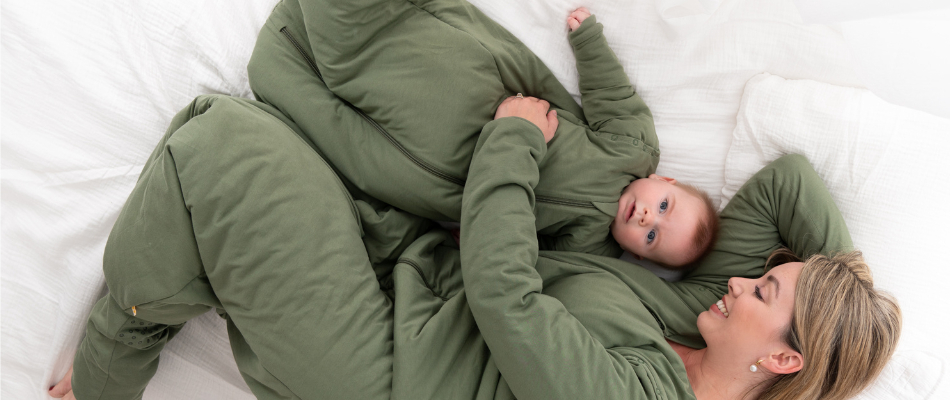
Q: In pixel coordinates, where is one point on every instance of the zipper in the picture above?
(421, 164)
(564, 202)
(419, 271)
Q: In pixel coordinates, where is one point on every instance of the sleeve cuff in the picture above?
(588, 31)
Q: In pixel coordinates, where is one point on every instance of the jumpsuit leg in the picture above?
(430, 83)
(151, 261)
(280, 248)
(283, 75)
(341, 32)
(281, 244)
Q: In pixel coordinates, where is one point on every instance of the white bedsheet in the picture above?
(89, 88)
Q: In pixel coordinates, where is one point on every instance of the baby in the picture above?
(656, 218)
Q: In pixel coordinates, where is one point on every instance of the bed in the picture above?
(732, 85)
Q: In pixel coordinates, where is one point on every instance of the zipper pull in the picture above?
(133, 311)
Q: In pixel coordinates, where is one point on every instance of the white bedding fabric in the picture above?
(88, 89)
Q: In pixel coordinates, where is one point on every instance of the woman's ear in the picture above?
(785, 362)
(663, 178)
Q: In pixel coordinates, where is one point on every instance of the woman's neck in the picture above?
(712, 377)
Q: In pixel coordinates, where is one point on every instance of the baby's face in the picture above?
(658, 220)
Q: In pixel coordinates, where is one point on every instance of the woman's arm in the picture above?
(540, 348)
(784, 204)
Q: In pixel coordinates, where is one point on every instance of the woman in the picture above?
(812, 330)
(327, 296)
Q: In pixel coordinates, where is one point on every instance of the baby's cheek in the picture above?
(624, 238)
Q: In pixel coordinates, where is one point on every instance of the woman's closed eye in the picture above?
(758, 293)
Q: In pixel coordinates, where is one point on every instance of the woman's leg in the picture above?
(151, 262)
(282, 74)
(279, 244)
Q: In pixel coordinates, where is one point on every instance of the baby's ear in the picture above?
(663, 178)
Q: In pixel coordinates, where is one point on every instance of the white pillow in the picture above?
(886, 167)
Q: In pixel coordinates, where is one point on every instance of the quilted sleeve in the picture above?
(542, 350)
(611, 105)
(784, 204)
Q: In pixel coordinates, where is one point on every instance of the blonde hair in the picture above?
(708, 230)
(845, 329)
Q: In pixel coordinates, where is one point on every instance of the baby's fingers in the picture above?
(573, 23)
(577, 18)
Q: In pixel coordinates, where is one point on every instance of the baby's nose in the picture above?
(646, 218)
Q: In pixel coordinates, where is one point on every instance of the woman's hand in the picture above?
(532, 109)
(577, 17)
(64, 389)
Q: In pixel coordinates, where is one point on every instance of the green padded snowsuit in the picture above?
(328, 295)
(395, 95)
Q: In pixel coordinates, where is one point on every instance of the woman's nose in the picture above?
(735, 286)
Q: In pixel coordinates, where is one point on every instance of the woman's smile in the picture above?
(721, 307)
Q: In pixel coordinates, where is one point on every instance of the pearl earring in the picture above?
(755, 367)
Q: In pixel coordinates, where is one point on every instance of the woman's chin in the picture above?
(702, 321)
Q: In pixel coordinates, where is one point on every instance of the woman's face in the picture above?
(757, 313)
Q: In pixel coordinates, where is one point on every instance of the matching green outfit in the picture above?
(331, 293)
(396, 93)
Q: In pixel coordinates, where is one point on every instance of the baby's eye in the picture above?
(664, 205)
(651, 236)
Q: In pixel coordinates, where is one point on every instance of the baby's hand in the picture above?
(577, 17)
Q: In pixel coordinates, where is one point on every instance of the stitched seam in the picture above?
(115, 343)
(418, 269)
(183, 287)
(336, 179)
(650, 374)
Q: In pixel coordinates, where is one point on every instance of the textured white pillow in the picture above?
(886, 167)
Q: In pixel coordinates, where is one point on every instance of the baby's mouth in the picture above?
(630, 211)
